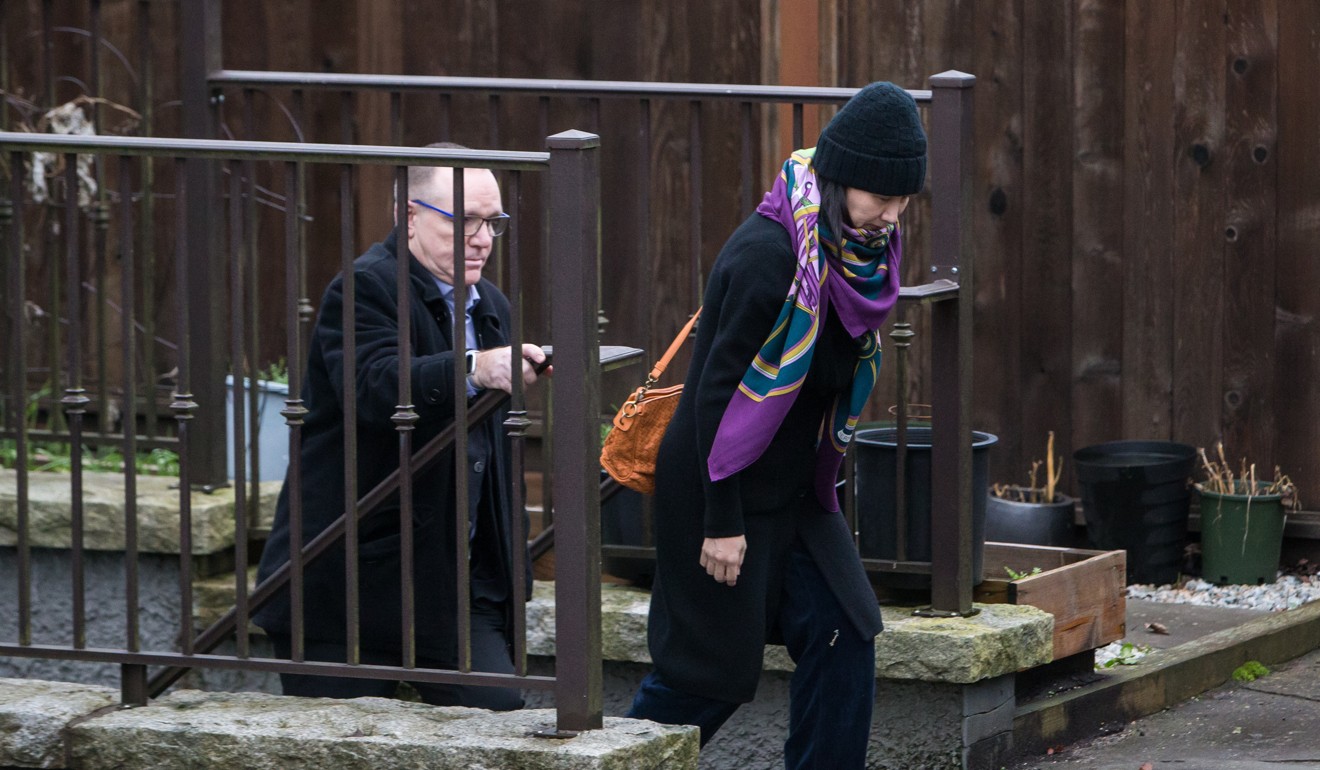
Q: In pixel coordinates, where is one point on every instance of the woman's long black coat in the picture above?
(707, 638)
(433, 370)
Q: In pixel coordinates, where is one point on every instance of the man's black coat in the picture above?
(433, 370)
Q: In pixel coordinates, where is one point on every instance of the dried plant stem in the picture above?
(1050, 478)
(1221, 480)
(1035, 491)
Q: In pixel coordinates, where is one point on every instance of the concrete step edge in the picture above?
(1162, 679)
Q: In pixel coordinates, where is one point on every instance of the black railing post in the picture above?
(199, 23)
(951, 353)
(574, 236)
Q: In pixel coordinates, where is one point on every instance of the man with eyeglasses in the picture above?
(485, 365)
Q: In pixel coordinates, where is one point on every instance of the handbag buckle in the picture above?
(623, 419)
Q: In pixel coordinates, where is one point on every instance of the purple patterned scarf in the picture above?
(860, 283)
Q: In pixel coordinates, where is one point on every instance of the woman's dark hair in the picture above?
(833, 206)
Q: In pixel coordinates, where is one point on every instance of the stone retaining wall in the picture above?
(945, 686)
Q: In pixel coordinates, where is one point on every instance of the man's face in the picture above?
(431, 234)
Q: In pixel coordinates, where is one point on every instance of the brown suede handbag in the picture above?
(630, 448)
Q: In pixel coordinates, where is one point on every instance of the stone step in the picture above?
(56, 725)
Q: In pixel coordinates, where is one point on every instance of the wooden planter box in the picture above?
(1083, 590)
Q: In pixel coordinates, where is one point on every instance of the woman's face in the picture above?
(869, 211)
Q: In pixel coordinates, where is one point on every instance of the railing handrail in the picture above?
(586, 88)
(226, 149)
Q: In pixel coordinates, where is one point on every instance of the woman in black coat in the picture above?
(750, 543)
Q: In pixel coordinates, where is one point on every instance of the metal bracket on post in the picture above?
(951, 357)
(133, 684)
(574, 238)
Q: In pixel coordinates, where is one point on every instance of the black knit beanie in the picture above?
(875, 143)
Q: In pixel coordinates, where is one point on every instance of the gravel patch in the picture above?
(1286, 593)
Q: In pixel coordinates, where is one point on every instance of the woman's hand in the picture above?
(722, 557)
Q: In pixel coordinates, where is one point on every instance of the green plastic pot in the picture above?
(1241, 536)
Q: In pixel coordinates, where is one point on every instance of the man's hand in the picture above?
(722, 557)
(493, 373)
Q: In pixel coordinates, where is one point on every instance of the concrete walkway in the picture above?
(1271, 723)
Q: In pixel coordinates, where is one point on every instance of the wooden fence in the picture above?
(1145, 222)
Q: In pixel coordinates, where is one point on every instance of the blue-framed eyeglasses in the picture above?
(472, 224)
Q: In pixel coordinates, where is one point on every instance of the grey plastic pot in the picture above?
(1011, 521)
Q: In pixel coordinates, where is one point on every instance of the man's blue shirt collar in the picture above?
(447, 291)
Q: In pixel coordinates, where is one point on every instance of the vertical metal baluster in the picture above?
(517, 423)
(446, 122)
(75, 398)
(642, 173)
(694, 199)
(850, 494)
(251, 307)
(643, 220)
(543, 115)
(396, 118)
(49, 253)
(352, 634)
(306, 312)
(547, 396)
(147, 222)
(238, 397)
(593, 118)
(462, 527)
(97, 268)
(18, 330)
(47, 54)
(346, 252)
(183, 406)
(497, 248)
(133, 676)
(299, 115)
(4, 68)
(128, 303)
(404, 418)
(746, 169)
(346, 103)
(797, 126)
(146, 72)
(294, 409)
(902, 335)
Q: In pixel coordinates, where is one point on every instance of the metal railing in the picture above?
(572, 187)
(947, 294)
(218, 102)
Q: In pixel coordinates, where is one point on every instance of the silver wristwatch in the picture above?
(470, 367)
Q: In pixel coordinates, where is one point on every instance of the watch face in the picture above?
(470, 359)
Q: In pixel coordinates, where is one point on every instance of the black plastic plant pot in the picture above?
(1135, 497)
(1015, 521)
(877, 521)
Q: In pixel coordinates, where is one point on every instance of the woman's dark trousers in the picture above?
(832, 690)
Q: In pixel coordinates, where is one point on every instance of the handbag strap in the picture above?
(660, 365)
